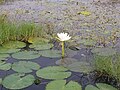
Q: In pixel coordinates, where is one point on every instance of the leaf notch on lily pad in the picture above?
(26, 55)
(25, 66)
(18, 81)
(61, 85)
(53, 72)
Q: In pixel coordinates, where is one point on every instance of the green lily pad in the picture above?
(66, 61)
(26, 55)
(8, 50)
(91, 87)
(80, 67)
(104, 51)
(14, 44)
(103, 86)
(4, 56)
(18, 81)
(53, 72)
(61, 85)
(25, 66)
(5, 66)
(41, 46)
(37, 40)
(50, 53)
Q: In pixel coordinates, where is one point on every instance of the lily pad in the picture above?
(80, 67)
(91, 87)
(26, 55)
(53, 72)
(4, 56)
(41, 46)
(25, 66)
(103, 86)
(18, 81)
(66, 61)
(8, 50)
(104, 51)
(37, 40)
(14, 44)
(61, 85)
(50, 53)
(5, 66)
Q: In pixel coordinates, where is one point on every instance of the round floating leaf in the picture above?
(61, 85)
(18, 81)
(103, 86)
(104, 51)
(41, 46)
(5, 66)
(37, 40)
(14, 44)
(91, 87)
(66, 61)
(53, 72)
(80, 67)
(26, 55)
(8, 50)
(50, 53)
(25, 66)
(4, 56)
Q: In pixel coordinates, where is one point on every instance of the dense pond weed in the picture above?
(31, 40)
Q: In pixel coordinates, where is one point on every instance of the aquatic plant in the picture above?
(63, 37)
(19, 31)
(107, 60)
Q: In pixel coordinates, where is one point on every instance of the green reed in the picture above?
(22, 31)
(109, 65)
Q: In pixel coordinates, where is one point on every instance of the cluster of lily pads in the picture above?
(23, 66)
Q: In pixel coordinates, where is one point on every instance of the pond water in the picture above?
(67, 16)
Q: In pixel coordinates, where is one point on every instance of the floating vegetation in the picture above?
(80, 66)
(13, 44)
(86, 13)
(25, 66)
(104, 51)
(5, 66)
(50, 53)
(4, 56)
(61, 85)
(100, 86)
(26, 55)
(18, 81)
(53, 72)
(91, 56)
(42, 46)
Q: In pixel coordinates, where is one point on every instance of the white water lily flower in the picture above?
(63, 36)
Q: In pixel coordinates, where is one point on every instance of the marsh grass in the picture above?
(22, 31)
(108, 64)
